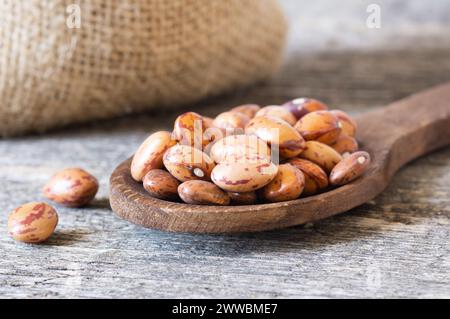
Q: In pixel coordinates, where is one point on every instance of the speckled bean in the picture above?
(278, 112)
(321, 126)
(350, 168)
(150, 154)
(188, 163)
(240, 148)
(345, 144)
(347, 124)
(301, 106)
(288, 184)
(189, 129)
(161, 184)
(277, 133)
(243, 177)
(247, 198)
(72, 187)
(247, 109)
(321, 154)
(232, 122)
(316, 179)
(32, 222)
(202, 193)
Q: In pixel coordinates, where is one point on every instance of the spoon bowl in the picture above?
(393, 135)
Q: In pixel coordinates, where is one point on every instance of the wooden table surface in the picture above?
(394, 246)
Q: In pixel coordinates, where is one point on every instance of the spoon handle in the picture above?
(409, 128)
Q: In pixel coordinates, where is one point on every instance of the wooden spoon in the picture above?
(393, 135)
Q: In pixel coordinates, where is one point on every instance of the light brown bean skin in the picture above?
(150, 154)
(350, 168)
(301, 106)
(240, 148)
(321, 126)
(347, 124)
(32, 222)
(189, 129)
(248, 198)
(208, 121)
(186, 162)
(243, 177)
(279, 112)
(71, 187)
(287, 185)
(277, 133)
(316, 179)
(321, 154)
(202, 193)
(161, 184)
(345, 144)
(247, 109)
(231, 121)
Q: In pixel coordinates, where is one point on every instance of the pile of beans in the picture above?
(251, 155)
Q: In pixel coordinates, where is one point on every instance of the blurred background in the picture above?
(338, 25)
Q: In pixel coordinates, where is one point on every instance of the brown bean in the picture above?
(232, 122)
(350, 168)
(321, 154)
(321, 126)
(240, 148)
(247, 109)
(188, 163)
(278, 112)
(315, 177)
(345, 144)
(161, 184)
(287, 185)
(347, 124)
(247, 198)
(150, 154)
(202, 193)
(278, 134)
(189, 129)
(32, 222)
(71, 187)
(207, 121)
(301, 106)
(243, 177)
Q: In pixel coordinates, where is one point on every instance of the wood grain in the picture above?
(394, 246)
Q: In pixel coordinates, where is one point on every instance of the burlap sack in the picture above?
(127, 56)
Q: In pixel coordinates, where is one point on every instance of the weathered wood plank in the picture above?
(395, 246)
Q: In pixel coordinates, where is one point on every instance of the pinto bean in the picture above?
(278, 112)
(321, 154)
(32, 222)
(315, 177)
(202, 193)
(345, 144)
(247, 109)
(347, 124)
(150, 154)
(247, 198)
(288, 184)
(240, 148)
(243, 177)
(350, 168)
(188, 163)
(72, 187)
(161, 184)
(321, 126)
(277, 133)
(301, 106)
